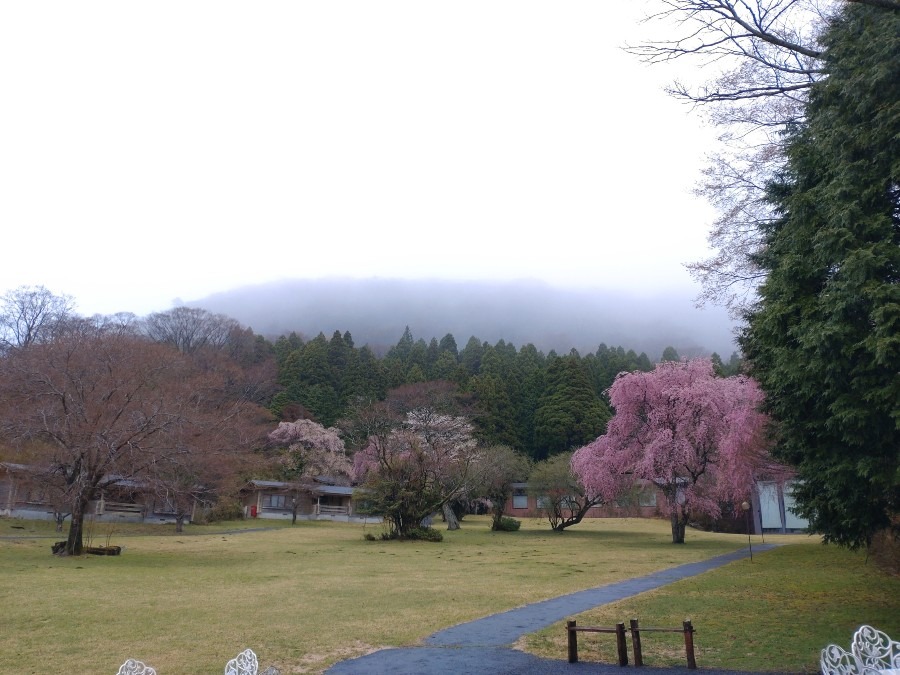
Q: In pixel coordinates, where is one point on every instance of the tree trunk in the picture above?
(678, 526)
(295, 504)
(60, 519)
(179, 522)
(75, 540)
(450, 517)
(497, 518)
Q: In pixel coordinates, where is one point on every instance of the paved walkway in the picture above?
(484, 645)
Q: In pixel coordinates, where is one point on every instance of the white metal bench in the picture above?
(872, 652)
(244, 663)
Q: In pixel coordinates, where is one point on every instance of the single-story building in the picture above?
(771, 510)
(642, 502)
(315, 499)
(31, 493)
(773, 505)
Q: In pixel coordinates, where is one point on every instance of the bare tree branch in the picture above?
(767, 56)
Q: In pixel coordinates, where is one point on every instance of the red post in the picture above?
(689, 644)
(636, 643)
(621, 647)
(573, 641)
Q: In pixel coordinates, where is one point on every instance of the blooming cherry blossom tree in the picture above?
(417, 467)
(308, 450)
(699, 438)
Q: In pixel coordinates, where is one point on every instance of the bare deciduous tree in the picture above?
(496, 469)
(190, 328)
(31, 314)
(109, 405)
(767, 56)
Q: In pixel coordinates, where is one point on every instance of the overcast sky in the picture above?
(162, 150)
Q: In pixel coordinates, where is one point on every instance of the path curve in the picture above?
(485, 645)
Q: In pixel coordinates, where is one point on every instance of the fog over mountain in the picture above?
(376, 311)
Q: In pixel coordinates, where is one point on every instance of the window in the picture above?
(274, 501)
(520, 499)
(637, 496)
(647, 497)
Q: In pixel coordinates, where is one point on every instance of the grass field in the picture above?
(775, 613)
(306, 596)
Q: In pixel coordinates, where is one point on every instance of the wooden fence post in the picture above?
(636, 643)
(621, 646)
(689, 644)
(573, 641)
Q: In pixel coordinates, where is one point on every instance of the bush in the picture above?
(508, 524)
(227, 509)
(415, 534)
(424, 534)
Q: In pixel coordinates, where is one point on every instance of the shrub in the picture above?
(424, 534)
(508, 524)
(226, 509)
(415, 534)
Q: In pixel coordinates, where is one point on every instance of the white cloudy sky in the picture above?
(161, 150)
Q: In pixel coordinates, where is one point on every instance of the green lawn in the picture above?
(775, 613)
(306, 596)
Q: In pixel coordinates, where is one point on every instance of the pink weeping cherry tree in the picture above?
(700, 439)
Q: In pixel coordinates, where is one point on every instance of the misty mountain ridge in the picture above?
(376, 312)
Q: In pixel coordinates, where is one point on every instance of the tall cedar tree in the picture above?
(569, 413)
(824, 342)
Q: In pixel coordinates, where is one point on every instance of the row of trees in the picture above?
(539, 404)
(178, 401)
(92, 402)
(808, 235)
(698, 438)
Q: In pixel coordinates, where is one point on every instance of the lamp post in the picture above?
(745, 506)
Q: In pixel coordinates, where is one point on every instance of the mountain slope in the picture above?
(376, 311)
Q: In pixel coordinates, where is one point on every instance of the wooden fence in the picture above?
(687, 629)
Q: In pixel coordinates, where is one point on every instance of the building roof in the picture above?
(310, 487)
(12, 466)
(334, 490)
(269, 483)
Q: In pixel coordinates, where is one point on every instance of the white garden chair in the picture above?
(872, 652)
(244, 663)
(132, 667)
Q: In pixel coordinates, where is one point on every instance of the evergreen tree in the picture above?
(670, 354)
(431, 357)
(569, 413)
(445, 367)
(338, 361)
(530, 364)
(418, 356)
(448, 344)
(495, 423)
(402, 349)
(470, 356)
(824, 341)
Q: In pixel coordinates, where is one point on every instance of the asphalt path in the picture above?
(484, 646)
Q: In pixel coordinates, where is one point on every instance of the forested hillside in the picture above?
(375, 311)
(538, 403)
